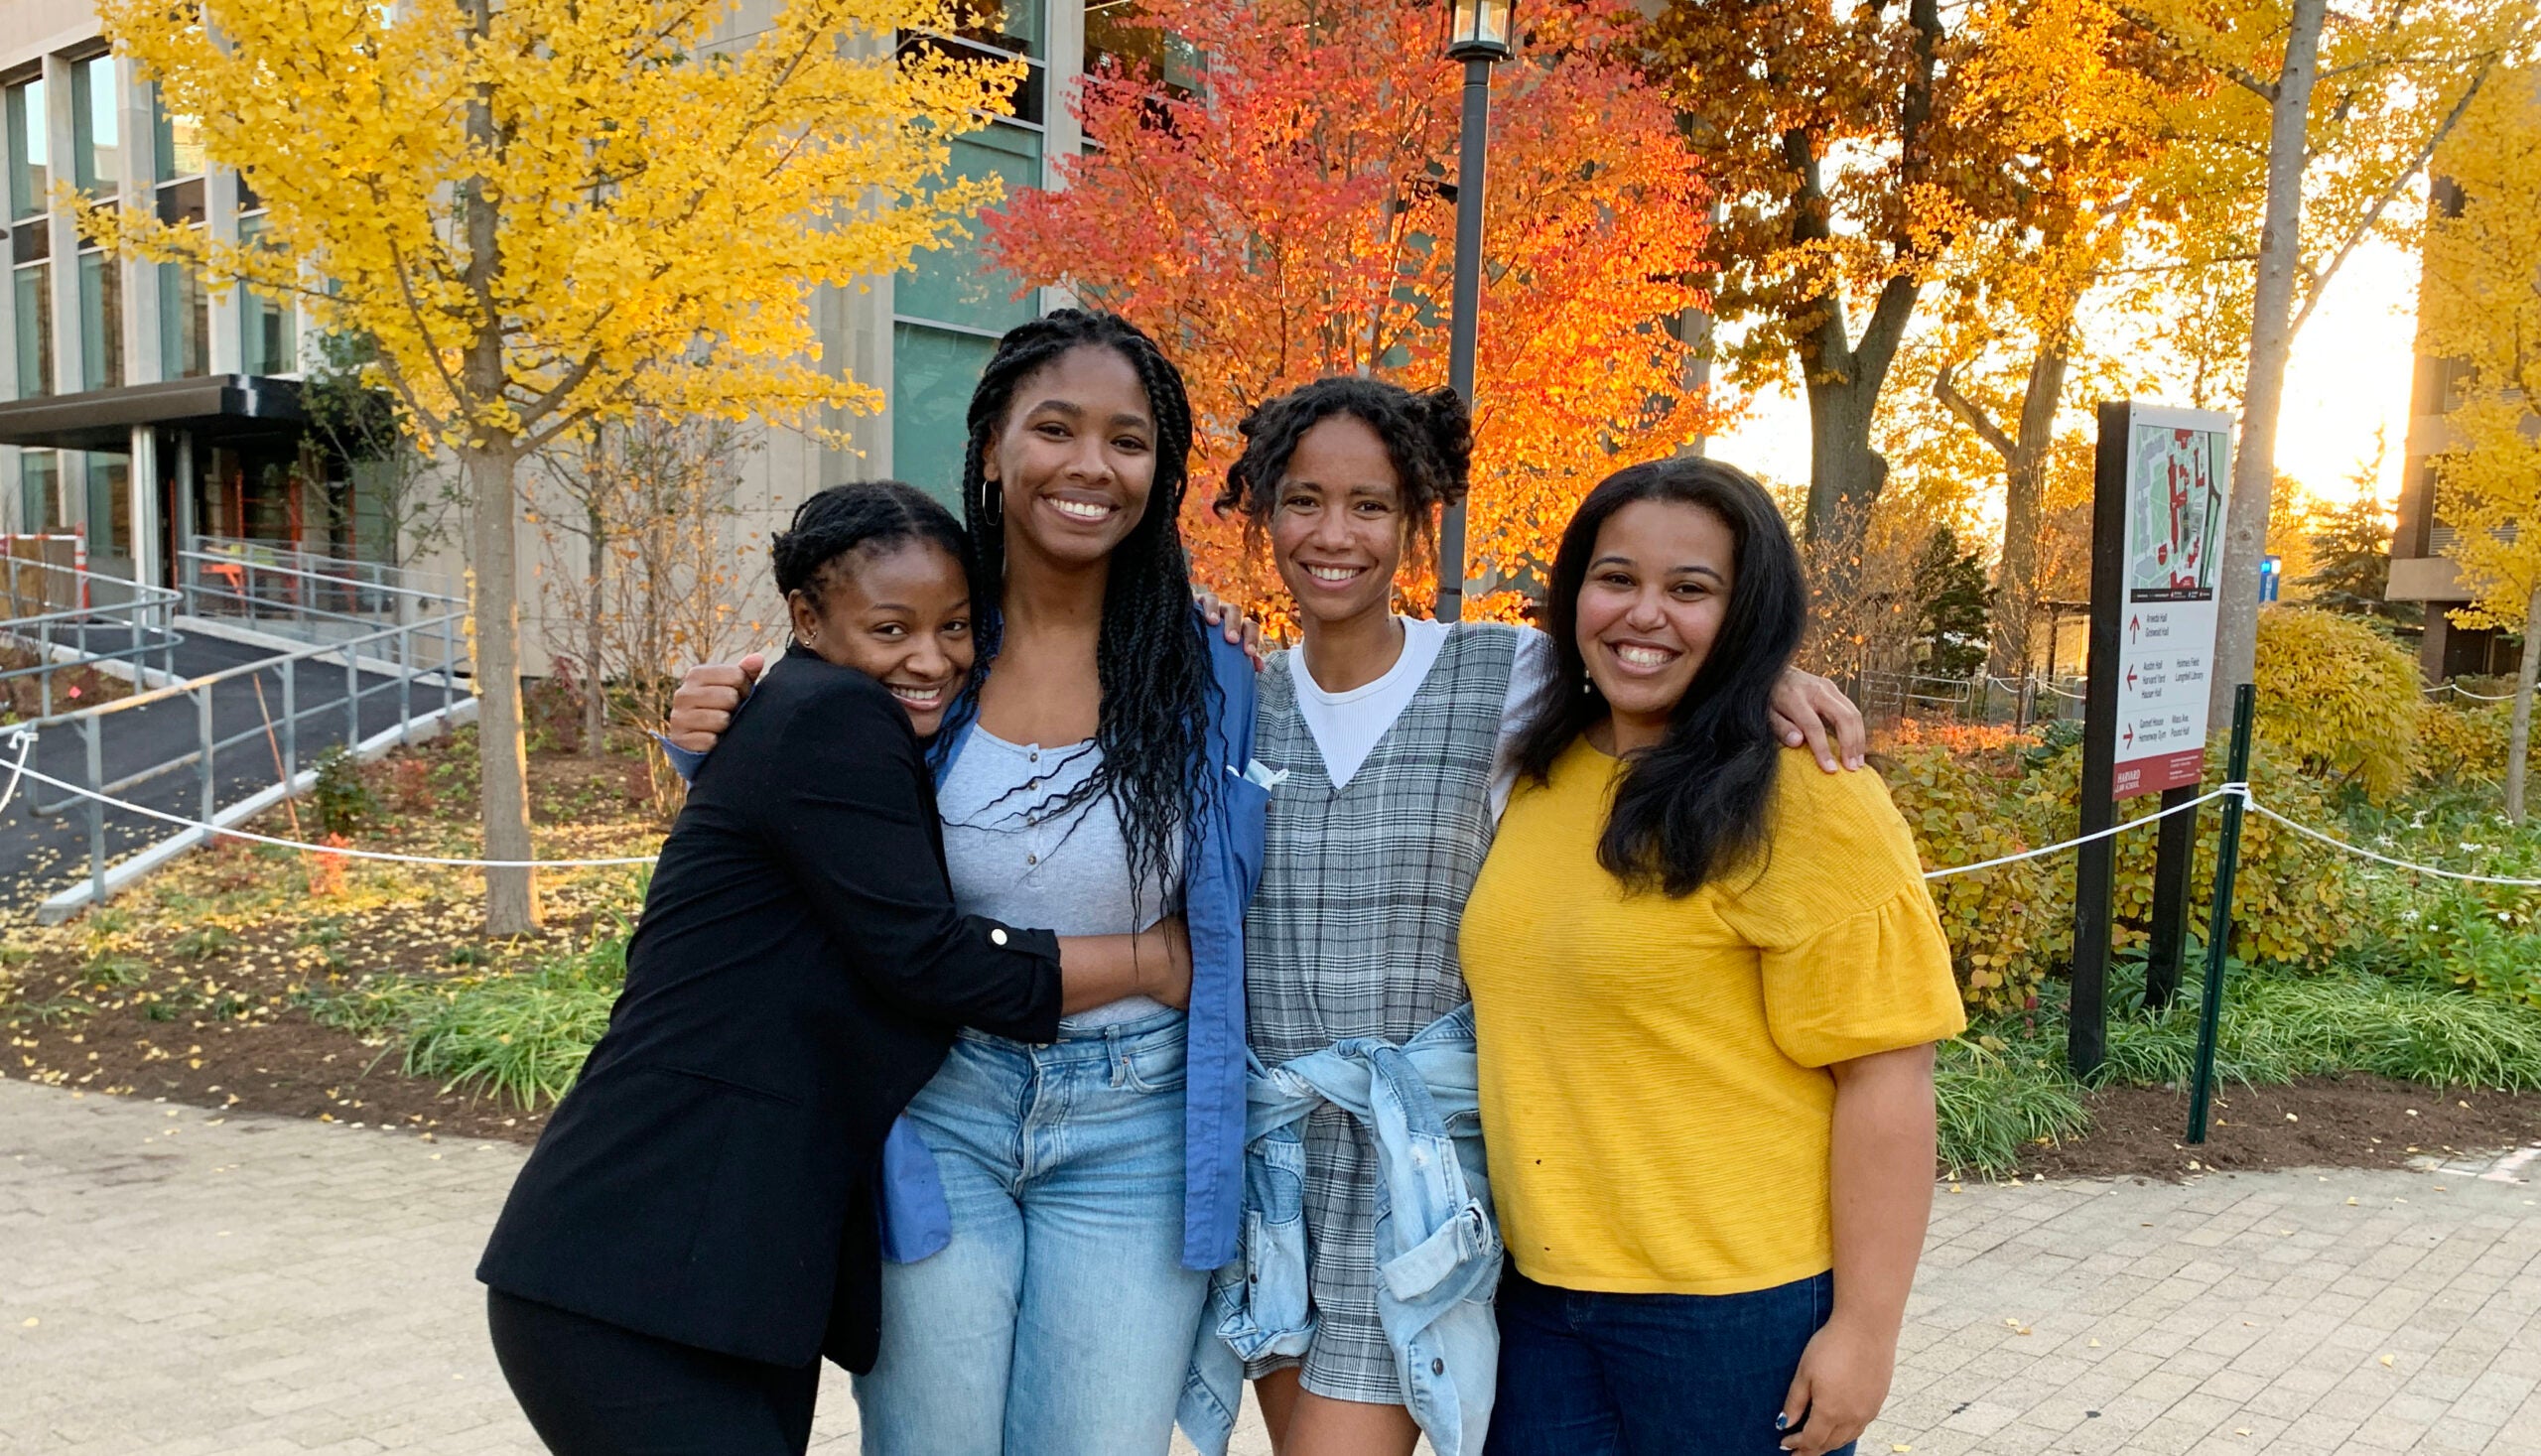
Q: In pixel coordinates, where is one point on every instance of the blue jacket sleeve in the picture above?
(1226, 863)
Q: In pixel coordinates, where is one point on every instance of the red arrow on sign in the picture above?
(2134, 624)
(2129, 735)
(2130, 677)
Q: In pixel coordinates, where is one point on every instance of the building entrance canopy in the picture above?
(216, 407)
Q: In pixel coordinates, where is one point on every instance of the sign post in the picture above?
(2162, 479)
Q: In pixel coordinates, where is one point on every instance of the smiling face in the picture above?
(1657, 589)
(900, 614)
(1075, 459)
(1337, 523)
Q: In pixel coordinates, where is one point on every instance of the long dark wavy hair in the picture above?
(1693, 806)
(1427, 435)
(1150, 660)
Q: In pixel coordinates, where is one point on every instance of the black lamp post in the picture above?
(1480, 33)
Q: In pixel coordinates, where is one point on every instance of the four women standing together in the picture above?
(1703, 975)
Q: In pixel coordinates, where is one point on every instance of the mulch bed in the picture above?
(221, 1020)
(2349, 1121)
(286, 1064)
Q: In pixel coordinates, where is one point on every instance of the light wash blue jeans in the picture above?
(1059, 1320)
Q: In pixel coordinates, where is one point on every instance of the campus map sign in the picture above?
(2179, 481)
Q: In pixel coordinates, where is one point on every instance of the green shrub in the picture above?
(2008, 926)
(2012, 926)
(343, 801)
(2459, 742)
(2338, 698)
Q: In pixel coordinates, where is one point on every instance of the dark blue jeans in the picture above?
(1649, 1375)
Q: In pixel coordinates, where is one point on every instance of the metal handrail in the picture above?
(243, 546)
(283, 727)
(143, 617)
(306, 575)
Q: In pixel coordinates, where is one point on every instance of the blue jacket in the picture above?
(1437, 1249)
(1222, 865)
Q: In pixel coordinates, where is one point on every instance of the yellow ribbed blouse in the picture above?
(1654, 1098)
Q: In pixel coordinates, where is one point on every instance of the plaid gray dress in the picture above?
(1353, 933)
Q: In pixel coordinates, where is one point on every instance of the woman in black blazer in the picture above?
(698, 1225)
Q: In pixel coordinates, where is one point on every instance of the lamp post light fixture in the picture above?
(1481, 33)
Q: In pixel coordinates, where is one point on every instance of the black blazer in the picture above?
(795, 979)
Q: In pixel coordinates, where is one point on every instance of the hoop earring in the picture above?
(992, 503)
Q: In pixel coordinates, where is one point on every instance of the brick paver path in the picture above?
(177, 1284)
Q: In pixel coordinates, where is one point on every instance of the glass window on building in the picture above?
(177, 149)
(109, 505)
(34, 282)
(22, 114)
(100, 320)
(953, 284)
(950, 307)
(933, 371)
(268, 327)
(97, 142)
(39, 493)
(30, 184)
(185, 303)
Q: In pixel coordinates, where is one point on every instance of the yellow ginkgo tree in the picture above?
(2481, 305)
(548, 214)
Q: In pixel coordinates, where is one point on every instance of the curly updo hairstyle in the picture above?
(1151, 663)
(863, 515)
(1428, 434)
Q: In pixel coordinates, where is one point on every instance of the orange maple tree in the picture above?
(1284, 218)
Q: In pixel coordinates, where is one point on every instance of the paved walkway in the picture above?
(179, 1284)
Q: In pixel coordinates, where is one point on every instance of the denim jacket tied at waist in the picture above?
(1437, 1249)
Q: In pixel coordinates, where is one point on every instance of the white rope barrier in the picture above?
(2309, 833)
(26, 743)
(2459, 691)
(345, 852)
(2095, 835)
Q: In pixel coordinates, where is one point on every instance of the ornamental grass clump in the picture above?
(522, 1039)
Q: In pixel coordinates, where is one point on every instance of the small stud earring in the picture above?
(1585, 689)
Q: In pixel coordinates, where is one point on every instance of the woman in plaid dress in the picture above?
(1385, 735)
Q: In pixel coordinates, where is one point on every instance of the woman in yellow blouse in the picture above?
(1707, 981)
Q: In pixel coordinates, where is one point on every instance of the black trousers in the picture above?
(592, 1389)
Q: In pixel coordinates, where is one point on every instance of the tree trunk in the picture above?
(502, 762)
(594, 690)
(1845, 474)
(2518, 738)
(2271, 339)
(2025, 508)
(490, 459)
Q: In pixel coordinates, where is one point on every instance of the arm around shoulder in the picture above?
(845, 802)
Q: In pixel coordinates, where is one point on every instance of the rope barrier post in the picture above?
(2218, 934)
(202, 730)
(2174, 863)
(96, 814)
(405, 684)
